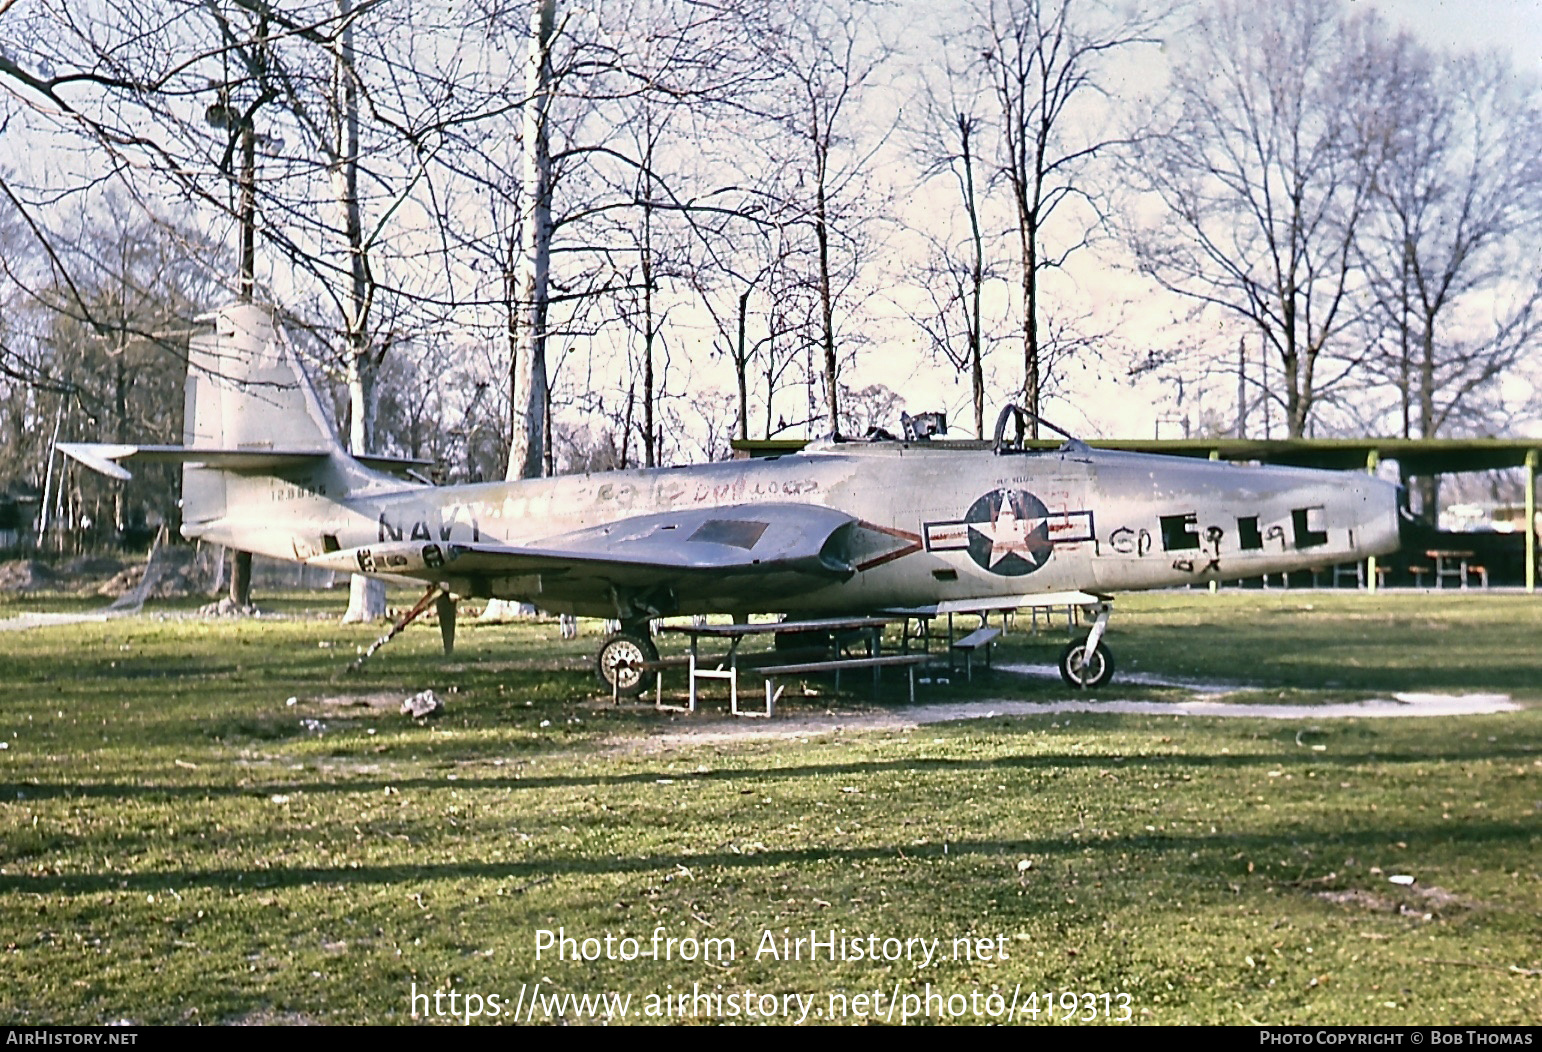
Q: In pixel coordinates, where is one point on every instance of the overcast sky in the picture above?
(1515, 25)
(1100, 399)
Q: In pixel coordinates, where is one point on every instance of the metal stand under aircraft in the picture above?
(444, 606)
(1084, 663)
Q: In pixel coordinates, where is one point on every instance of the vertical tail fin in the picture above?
(253, 432)
(246, 393)
(246, 390)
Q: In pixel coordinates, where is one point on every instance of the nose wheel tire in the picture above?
(1082, 670)
(620, 663)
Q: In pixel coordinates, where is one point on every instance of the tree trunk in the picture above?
(1295, 406)
(976, 283)
(241, 562)
(826, 293)
(366, 595)
(528, 382)
(240, 579)
(741, 366)
(1030, 333)
(528, 394)
(1429, 486)
(650, 438)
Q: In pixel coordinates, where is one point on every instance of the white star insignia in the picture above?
(1009, 535)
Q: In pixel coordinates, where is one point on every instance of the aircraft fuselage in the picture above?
(935, 523)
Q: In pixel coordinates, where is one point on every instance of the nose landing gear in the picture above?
(1085, 668)
(1087, 663)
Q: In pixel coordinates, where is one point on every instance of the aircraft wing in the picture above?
(699, 545)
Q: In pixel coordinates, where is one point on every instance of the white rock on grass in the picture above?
(422, 705)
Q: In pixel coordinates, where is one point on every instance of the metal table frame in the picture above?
(871, 627)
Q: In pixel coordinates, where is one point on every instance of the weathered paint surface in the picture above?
(840, 528)
(932, 523)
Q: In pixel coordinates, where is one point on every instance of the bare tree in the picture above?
(746, 272)
(609, 178)
(1046, 62)
(529, 395)
(1456, 230)
(101, 359)
(347, 104)
(825, 62)
(652, 236)
(597, 198)
(868, 409)
(948, 144)
(1266, 172)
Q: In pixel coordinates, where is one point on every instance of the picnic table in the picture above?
(1449, 564)
(867, 631)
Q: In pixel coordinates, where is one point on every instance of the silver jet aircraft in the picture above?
(840, 528)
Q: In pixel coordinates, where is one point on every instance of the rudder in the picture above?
(245, 392)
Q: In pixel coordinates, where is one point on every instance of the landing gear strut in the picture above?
(621, 660)
(1087, 663)
(443, 603)
(1084, 668)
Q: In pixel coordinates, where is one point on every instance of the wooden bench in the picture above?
(774, 672)
(980, 638)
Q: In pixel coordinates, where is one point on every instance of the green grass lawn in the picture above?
(181, 843)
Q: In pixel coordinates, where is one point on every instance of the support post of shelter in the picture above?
(1372, 462)
(1531, 520)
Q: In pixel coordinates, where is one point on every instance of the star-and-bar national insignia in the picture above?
(1009, 532)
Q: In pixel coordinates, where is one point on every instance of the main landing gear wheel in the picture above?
(620, 663)
(1081, 670)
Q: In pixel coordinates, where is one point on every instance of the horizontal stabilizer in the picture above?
(107, 459)
(402, 467)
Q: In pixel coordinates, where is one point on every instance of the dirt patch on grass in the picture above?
(1412, 901)
(381, 701)
(176, 574)
(26, 575)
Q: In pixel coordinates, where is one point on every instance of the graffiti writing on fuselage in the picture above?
(670, 492)
(612, 493)
(1181, 533)
(789, 488)
(1127, 541)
